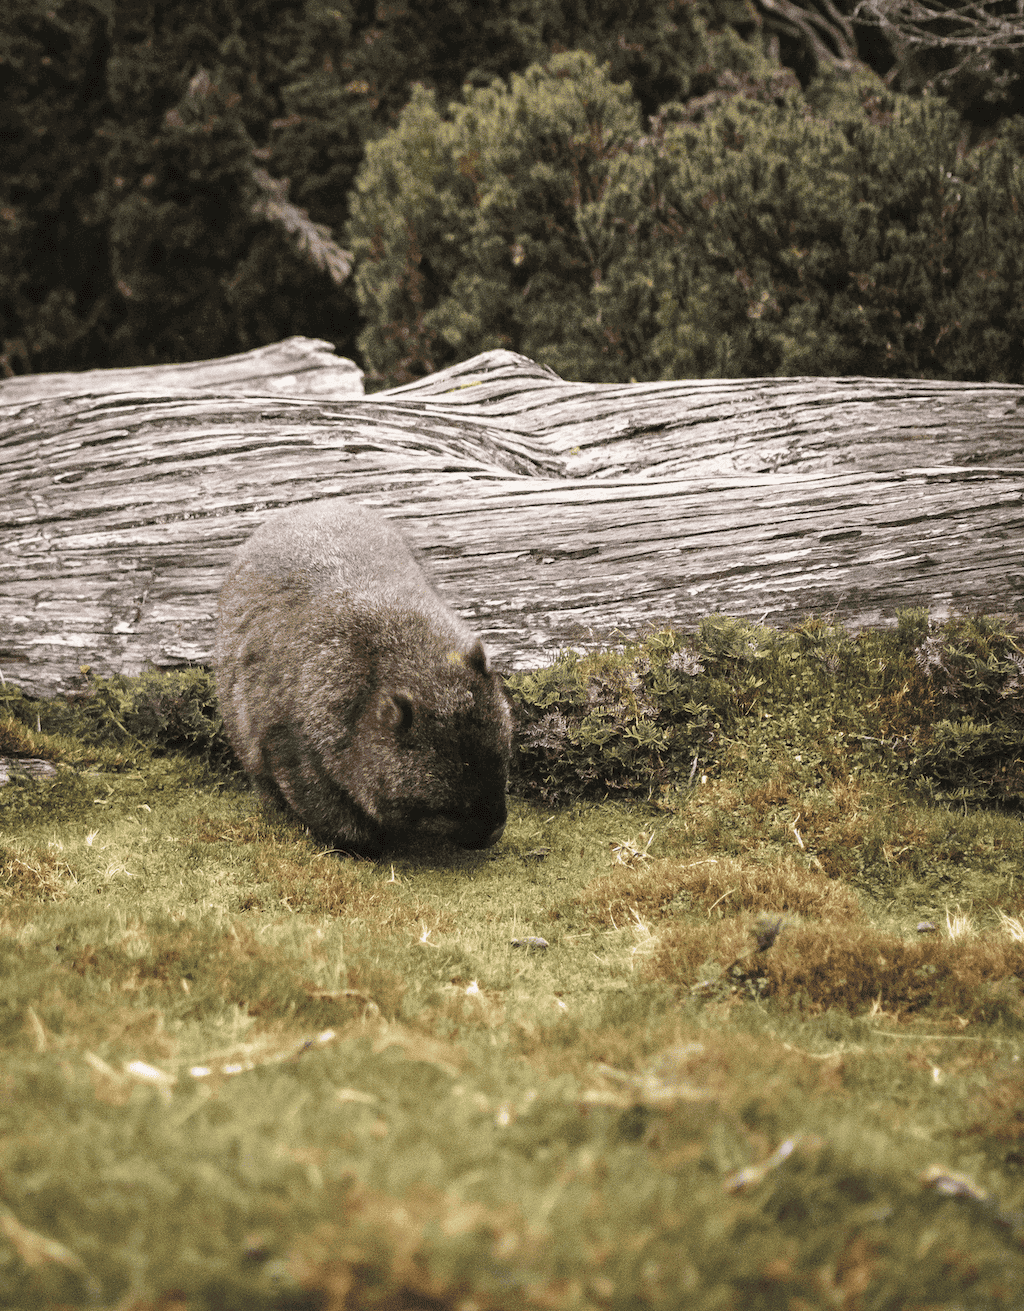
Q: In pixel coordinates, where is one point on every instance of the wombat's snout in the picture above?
(484, 832)
(492, 837)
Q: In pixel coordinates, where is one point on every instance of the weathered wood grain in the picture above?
(550, 513)
(297, 366)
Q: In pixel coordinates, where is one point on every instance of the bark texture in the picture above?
(549, 513)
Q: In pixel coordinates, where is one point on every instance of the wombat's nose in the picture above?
(481, 838)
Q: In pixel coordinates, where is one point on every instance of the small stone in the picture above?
(926, 926)
(532, 944)
(951, 1184)
(20, 766)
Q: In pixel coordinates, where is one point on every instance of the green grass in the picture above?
(239, 1071)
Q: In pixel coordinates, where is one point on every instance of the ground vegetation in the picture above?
(744, 1030)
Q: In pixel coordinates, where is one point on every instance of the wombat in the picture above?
(351, 693)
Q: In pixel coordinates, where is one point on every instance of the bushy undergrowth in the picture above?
(175, 178)
(174, 711)
(940, 703)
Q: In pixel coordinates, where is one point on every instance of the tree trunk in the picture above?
(550, 513)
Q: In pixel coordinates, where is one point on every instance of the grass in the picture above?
(240, 1071)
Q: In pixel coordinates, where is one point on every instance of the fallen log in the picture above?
(550, 513)
(297, 366)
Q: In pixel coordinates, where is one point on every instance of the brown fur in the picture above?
(351, 693)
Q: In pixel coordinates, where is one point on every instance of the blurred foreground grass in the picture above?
(239, 1071)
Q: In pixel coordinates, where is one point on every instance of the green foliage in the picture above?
(849, 239)
(986, 319)
(51, 239)
(513, 215)
(484, 229)
(751, 230)
(842, 231)
(666, 50)
(659, 47)
(128, 218)
(940, 704)
(647, 718)
(968, 760)
(174, 711)
(130, 230)
(971, 673)
(200, 263)
(598, 724)
(809, 241)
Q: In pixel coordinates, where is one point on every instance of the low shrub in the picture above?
(624, 723)
(939, 704)
(841, 230)
(171, 711)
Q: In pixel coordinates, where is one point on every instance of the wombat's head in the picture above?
(431, 751)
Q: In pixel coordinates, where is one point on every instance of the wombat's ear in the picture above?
(397, 712)
(477, 659)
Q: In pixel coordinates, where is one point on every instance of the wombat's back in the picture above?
(351, 692)
(340, 549)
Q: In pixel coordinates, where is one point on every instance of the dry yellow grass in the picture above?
(34, 872)
(726, 884)
(812, 967)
